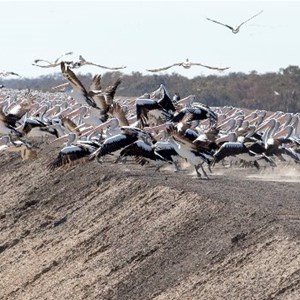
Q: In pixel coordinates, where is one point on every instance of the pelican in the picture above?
(97, 99)
(236, 29)
(198, 111)
(8, 73)
(244, 151)
(84, 62)
(159, 108)
(117, 142)
(77, 85)
(143, 152)
(193, 153)
(73, 153)
(50, 64)
(187, 65)
(19, 146)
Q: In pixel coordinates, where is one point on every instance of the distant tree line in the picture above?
(271, 91)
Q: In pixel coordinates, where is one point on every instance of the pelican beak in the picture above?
(155, 128)
(63, 138)
(98, 128)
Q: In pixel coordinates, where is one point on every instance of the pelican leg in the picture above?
(118, 160)
(124, 160)
(201, 166)
(256, 165)
(121, 159)
(197, 171)
(177, 169)
(157, 169)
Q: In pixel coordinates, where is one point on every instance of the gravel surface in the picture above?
(122, 231)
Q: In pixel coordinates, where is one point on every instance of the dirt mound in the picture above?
(124, 232)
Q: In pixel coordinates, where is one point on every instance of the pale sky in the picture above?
(150, 34)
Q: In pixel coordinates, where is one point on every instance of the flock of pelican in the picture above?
(43, 63)
(154, 129)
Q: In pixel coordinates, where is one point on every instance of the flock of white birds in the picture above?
(187, 64)
(155, 128)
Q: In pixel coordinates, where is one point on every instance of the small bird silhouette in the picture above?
(237, 29)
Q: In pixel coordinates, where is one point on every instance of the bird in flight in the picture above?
(50, 64)
(83, 62)
(235, 30)
(5, 73)
(187, 65)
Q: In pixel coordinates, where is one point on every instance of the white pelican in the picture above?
(8, 73)
(52, 64)
(236, 29)
(82, 62)
(193, 153)
(73, 153)
(115, 143)
(187, 65)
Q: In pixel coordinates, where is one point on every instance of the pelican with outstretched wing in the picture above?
(7, 73)
(187, 65)
(49, 64)
(83, 62)
(237, 29)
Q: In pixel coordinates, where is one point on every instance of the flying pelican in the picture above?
(235, 30)
(7, 73)
(77, 85)
(52, 64)
(84, 62)
(187, 65)
(97, 99)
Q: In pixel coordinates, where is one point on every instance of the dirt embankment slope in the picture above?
(124, 232)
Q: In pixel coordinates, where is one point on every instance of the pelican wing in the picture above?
(217, 22)
(119, 113)
(68, 53)
(113, 144)
(96, 83)
(85, 62)
(5, 73)
(249, 19)
(48, 63)
(210, 67)
(291, 153)
(138, 148)
(76, 84)
(2, 116)
(110, 91)
(48, 66)
(104, 67)
(229, 149)
(42, 60)
(68, 156)
(166, 150)
(181, 139)
(164, 68)
(143, 106)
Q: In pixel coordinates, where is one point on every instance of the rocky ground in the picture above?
(116, 231)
